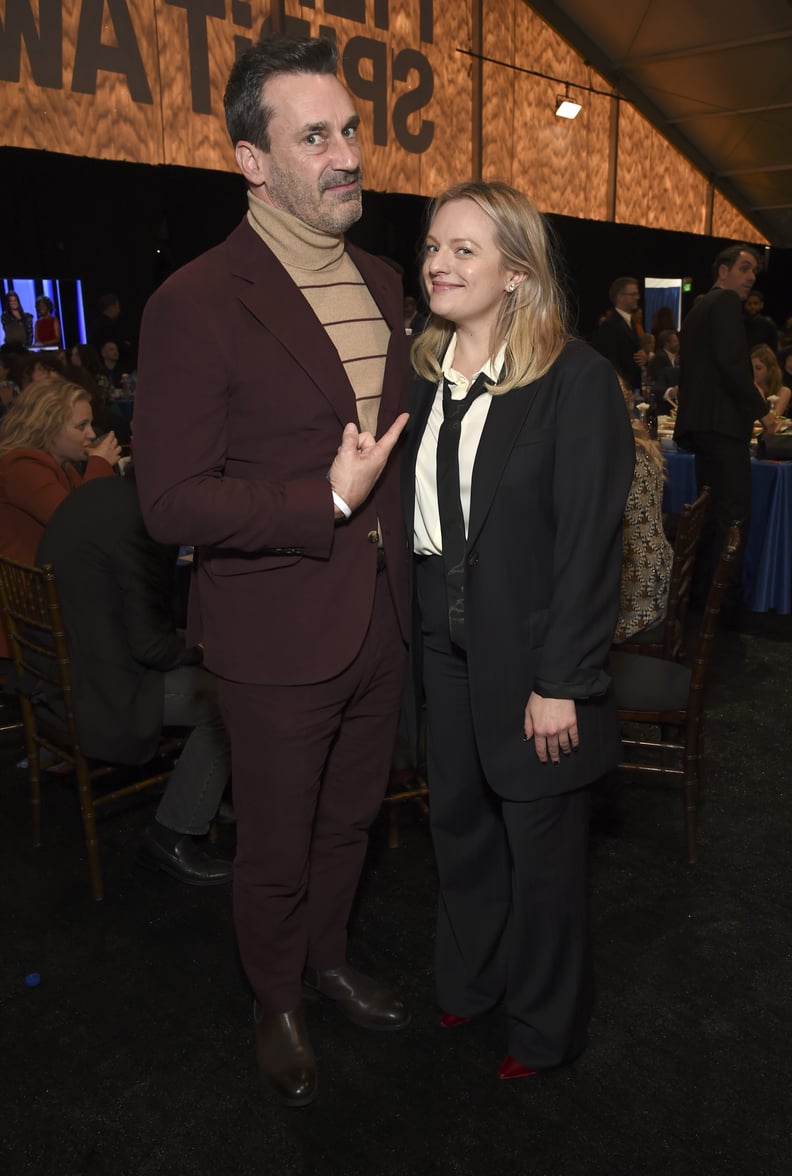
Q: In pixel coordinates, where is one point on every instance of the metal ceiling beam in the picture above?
(759, 168)
(706, 49)
(730, 113)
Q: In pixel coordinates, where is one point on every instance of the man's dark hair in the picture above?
(247, 115)
(729, 255)
(618, 285)
(665, 336)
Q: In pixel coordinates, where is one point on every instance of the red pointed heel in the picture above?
(511, 1068)
(451, 1021)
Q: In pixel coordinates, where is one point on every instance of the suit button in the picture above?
(373, 537)
(472, 559)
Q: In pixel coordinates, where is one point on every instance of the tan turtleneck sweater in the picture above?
(328, 278)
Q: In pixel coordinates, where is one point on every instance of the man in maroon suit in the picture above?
(267, 368)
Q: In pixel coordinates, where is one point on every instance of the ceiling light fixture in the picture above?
(565, 107)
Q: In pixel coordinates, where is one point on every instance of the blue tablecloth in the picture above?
(767, 570)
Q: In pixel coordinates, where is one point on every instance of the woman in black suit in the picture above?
(515, 515)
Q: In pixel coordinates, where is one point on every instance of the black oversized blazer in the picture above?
(550, 480)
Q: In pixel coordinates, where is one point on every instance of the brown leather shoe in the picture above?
(285, 1057)
(363, 1000)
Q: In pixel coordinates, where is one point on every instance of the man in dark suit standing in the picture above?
(616, 338)
(267, 368)
(718, 404)
(132, 672)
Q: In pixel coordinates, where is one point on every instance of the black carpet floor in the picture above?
(133, 1056)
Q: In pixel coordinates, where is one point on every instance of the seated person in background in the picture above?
(646, 553)
(10, 378)
(44, 435)
(46, 329)
(414, 320)
(663, 373)
(769, 380)
(86, 356)
(107, 416)
(113, 368)
(40, 365)
(131, 671)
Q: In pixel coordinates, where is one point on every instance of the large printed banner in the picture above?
(143, 80)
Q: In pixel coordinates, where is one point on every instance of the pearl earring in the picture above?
(510, 287)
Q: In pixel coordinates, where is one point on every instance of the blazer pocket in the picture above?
(533, 628)
(533, 437)
(240, 564)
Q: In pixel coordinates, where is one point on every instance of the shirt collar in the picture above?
(491, 369)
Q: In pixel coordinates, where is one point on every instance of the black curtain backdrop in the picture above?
(123, 227)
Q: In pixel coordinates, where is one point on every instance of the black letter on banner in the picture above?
(348, 9)
(44, 49)
(413, 100)
(198, 12)
(381, 14)
(373, 89)
(427, 21)
(91, 55)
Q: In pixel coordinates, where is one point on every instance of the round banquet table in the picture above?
(767, 570)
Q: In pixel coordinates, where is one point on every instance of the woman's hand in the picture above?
(108, 448)
(552, 724)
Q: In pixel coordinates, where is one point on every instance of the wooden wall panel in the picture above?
(450, 157)
(166, 107)
(728, 222)
(190, 138)
(634, 179)
(560, 164)
(656, 186)
(499, 91)
(105, 124)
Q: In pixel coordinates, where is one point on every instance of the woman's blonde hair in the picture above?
(767, 356)
(39, 413)
(532, 319)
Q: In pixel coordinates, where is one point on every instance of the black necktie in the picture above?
(452, 520)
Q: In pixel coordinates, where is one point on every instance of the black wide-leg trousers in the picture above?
(512, 921)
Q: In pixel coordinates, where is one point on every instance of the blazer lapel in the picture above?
(271, 296)
(503, 425)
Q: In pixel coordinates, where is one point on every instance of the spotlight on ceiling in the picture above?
(566, 107)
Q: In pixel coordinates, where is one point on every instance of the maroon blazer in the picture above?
(240, 403)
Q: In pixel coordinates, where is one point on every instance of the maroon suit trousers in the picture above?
(310, 765)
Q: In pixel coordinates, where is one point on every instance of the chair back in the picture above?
(31, 611)
(720, 582)
(688, 538)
